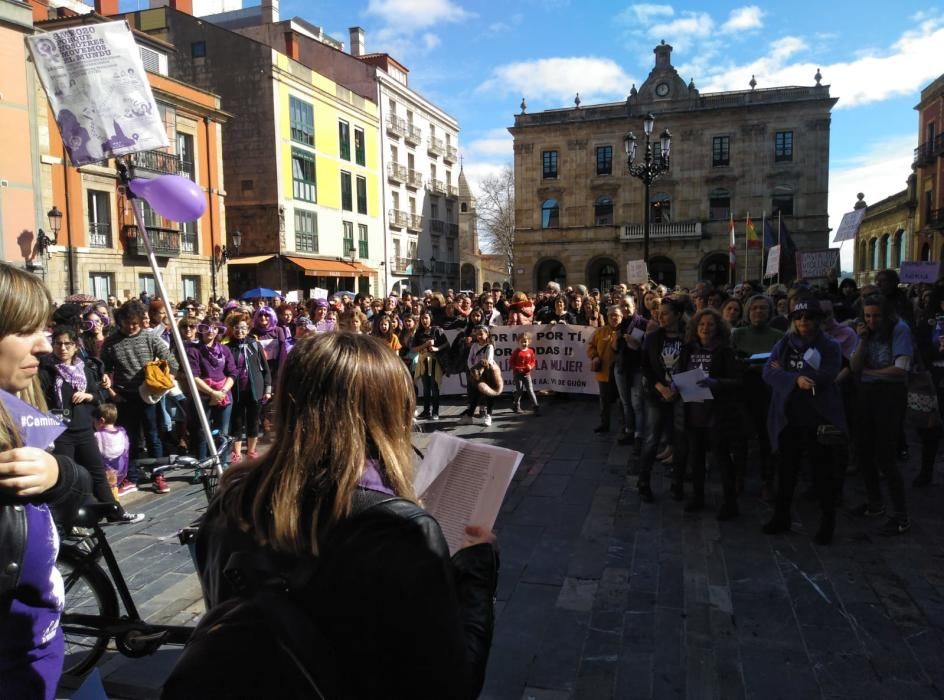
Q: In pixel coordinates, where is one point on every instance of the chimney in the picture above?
(182, 5)
(357, 41)
(291, 45)
(106, 8)
(270, 11)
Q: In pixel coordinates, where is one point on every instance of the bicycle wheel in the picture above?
(88, 591)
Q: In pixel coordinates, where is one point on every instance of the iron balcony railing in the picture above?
(413, 134)
(99, 234)
(452, 229)
(451, 155)
(398, 218)
(188, 242)
(396, 126)
(158, 162)
(437, 225)
(416, 222)
(436, 186)
(397, 172)
(452, 191)
(435, 146)
(414, 179)
(164, 241)
(404, 266)
(677, 231)
(929, 150)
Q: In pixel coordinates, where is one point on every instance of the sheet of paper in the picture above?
(687, 385)
(638, 333)
(464, 483)
(813, 358)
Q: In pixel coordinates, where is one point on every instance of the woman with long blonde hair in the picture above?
(31, 480)
(336, 490)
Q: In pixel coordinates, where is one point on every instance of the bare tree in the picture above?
(495, 208)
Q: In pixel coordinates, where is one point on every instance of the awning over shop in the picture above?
(249, 260)
(331, 268)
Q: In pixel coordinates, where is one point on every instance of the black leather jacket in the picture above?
(404, 619)
(70, 491)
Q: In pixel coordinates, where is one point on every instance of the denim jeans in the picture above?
(219, 417)
(638, 399)
(136, 416)
(661, 419)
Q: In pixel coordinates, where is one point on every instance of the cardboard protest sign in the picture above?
(817, 263)
(98, 90)
(637, 272)
(36, 428)
(773, 262)
(916, 272)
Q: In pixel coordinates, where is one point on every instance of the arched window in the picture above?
(883, 253)
(602, 273)
(873, 245)
(662, 270)
(719, 205)
(550, 214)
(899, 248)
(715, 268)
(603, 211)
(463, 207)
(660, 208)
(862, 265)
(550, 271)
(926, 252)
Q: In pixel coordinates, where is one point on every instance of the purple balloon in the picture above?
(172, 196)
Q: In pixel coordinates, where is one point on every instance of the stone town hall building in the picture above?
(578, 212)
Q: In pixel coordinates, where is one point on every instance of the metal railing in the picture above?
(435, 146)
(396, 126)
(451, 155)
(929, 150)
(452, 229)
(403, 266)
(452, 191)
(99, 234)
(415, 223)
(437, 225)
(398, 218)
(414, 179)
(157, 162)
(188, 242)
(436, 186)
(164, 241)
(187, 169)
(413, 134)
(682, 230)
(397, 172)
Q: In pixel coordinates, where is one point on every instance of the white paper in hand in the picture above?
(687, 385)
(462, 483)
(813, 358)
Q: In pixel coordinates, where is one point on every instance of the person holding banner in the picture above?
(602, 353)
(428, 342)
(31, 480)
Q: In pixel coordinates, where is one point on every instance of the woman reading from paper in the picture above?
(31, 479)
(398, 617)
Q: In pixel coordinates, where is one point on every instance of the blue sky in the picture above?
(477, 58)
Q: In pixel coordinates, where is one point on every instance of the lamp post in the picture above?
(235, 238)
(44, 241)
(648, 171)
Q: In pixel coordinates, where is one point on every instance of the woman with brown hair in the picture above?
(336, 490)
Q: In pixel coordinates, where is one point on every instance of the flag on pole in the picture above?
(732, 250)
(753, 240)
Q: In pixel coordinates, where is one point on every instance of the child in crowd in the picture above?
(481, 356)
(523, 360)
(115, 448)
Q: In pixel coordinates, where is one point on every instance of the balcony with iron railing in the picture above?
(413, 134)
(187, 169)
(398, 218)
(164, 241)
(452, 191)
(436, 186)
(396, 172)
(403, 266)
(452, 229)
(925, 153)
(188, 242)
(158, 162)
(396, 126)
(452, 269)
(414, 179)
(437, 225)
(415, 223)
(99, 234)
(685, 230)
(435, 146)
(451, 155)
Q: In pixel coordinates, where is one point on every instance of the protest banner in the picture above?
(916, 272)
(813, 264)
(562, 363)
(98, 90)
(637, 272)
(773, 262)
(849, 226)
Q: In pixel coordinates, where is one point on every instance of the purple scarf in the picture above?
(371, 479)
(73, 374)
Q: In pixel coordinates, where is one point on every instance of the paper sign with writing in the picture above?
(916, 272)
(849, 226)
(98, 90)
(637, 272)
(291, 297)
(318, 293)
(817, 263)
(36, 428)
(773, 261)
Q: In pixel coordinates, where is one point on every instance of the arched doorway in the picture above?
(550, 271)
(715, 268)
(662, 270)
(926, 252)
(467, 278)
(602, 273)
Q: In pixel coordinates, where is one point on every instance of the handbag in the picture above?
(157, 376)
(923, 410)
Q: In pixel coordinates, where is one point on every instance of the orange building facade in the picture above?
(98, 250)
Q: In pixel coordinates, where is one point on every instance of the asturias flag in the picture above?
(753, 240)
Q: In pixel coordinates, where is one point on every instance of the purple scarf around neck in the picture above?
(73, 374)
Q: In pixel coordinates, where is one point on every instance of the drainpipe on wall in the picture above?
(206, 127)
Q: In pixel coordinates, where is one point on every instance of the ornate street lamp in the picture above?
(650, 170)
(236, 238)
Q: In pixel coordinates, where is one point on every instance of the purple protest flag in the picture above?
(37, 429)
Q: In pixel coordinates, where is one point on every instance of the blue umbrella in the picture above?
(258, 292)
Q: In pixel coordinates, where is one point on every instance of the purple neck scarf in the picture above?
(73, 374)
(371, 479)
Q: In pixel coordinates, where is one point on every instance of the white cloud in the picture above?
(878, 171)
(476, 172)
(430, 41)
(559, 79)
(744, 18)
(493, 143)
(499, 27)
(417, 13)
(690, 24)
(873, 76)
(644, 13)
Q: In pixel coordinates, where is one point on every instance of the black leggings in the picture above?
(83, 449)
(701, 442)
(246, 416)
(827, 472)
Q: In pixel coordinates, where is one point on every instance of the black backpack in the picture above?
(262, 642)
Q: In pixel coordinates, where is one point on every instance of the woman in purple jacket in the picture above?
(213, 371)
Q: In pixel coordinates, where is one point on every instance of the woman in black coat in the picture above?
(251, 389)
(711, 425)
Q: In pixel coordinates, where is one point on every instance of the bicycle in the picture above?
(91, 614)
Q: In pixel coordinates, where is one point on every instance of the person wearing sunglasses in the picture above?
(801, 372)
(252, 387)
(213, 371)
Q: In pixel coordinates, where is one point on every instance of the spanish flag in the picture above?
(753, 240)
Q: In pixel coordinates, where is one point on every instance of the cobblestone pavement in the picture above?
(602, 596)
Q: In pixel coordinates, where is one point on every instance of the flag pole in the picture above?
(746, 243)
(779, 243)
(763, 244)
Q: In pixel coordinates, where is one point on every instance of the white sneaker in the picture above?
(488, 420)
(465, 419)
